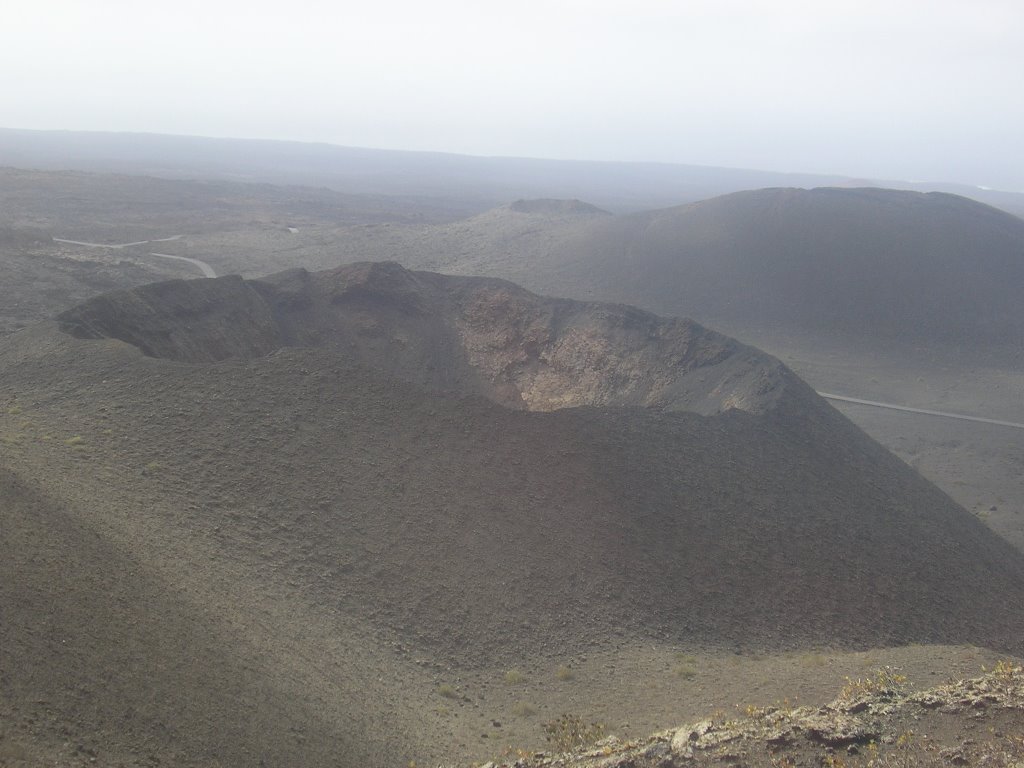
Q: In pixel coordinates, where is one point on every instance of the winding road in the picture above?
(205, 268)
(924, 411)
(117, 245)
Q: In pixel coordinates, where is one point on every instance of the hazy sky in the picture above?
(910, 89)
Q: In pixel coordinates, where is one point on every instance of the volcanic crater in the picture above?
(364, 485)
(482, 336)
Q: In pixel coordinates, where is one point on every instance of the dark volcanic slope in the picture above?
(859, 262)
(854, 263)
(637, 509)
(283, 458)
(94, 647)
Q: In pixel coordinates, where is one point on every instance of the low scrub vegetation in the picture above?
(571, 732)
(884, 681)
(523, 709)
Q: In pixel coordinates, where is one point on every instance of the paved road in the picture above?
(117, 245)
(924, 411)
(206, 268)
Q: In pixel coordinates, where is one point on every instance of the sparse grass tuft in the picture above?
(447, 691)
(514, 677)
(75, 441)
(1004, 670)
(686, 667)
(685, 671)
(523, 709)
(516, 754)
(564, 673)
(885, 680)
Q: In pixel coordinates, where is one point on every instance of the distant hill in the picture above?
(879, 266)
(461, 182)
(332, 493)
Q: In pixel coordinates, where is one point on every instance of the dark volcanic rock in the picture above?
(472, 334)
(197, 321)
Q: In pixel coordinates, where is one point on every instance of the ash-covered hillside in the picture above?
(869, 266)
(360, 484)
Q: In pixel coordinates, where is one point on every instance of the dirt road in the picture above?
(924, 411)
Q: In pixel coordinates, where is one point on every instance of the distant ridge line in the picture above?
(925, 411)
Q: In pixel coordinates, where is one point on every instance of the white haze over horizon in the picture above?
(925, 90)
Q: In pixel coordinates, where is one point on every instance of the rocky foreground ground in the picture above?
(874, 722)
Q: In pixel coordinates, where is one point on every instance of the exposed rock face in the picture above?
(562, 354)
(479, 335)
(889, 723)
